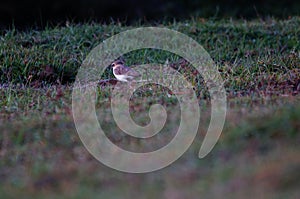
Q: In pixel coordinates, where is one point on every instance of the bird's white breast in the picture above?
(123, 78)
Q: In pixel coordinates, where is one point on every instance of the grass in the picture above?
(41, 155)
(55, 53)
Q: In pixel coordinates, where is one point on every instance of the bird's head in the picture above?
(117, 63)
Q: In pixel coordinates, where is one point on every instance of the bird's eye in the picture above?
(113, 64)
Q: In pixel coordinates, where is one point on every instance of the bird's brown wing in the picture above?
(133, 73)
(126, 71)
(121, 70)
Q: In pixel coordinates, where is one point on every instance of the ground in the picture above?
(257, 155)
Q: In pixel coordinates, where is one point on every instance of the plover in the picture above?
(122, 72)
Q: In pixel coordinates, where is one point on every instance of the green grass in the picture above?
(257, 155)
(241, 47)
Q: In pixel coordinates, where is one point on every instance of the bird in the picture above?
(124, 73)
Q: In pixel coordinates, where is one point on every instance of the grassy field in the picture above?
(257, 156)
